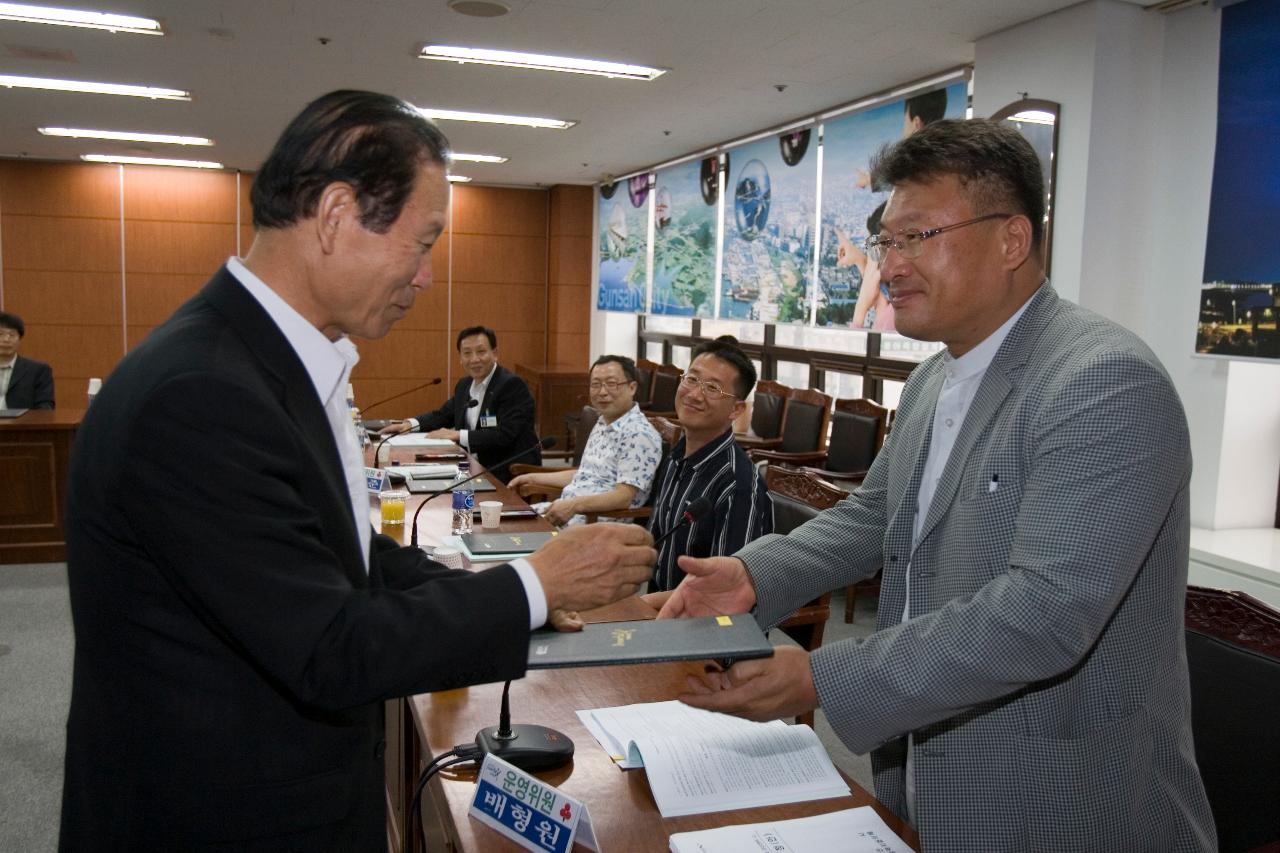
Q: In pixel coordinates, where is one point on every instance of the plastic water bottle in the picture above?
(357, 420)
(464, 501)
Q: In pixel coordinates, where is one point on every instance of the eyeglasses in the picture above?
(910, 242)
(611, 384)
(711, 389)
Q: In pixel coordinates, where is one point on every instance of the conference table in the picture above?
(621, 806)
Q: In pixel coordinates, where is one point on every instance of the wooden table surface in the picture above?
(621, 805)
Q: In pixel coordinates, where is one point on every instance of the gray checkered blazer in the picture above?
(1044, 675)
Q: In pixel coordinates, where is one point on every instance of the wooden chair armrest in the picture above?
(538, 492)
(755, 442)
(638, 512)
(813, 457)
(837, 477)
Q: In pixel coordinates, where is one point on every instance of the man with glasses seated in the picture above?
(24, 382)
(620, 458)
(707, 462)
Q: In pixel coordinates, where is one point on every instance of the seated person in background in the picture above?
(707, 462)
(499, 424)
(621, 455)
(24, 382)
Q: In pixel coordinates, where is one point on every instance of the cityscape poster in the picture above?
(850, 293)
(623, 217)
(686, 198)
(1240, 296)
(768, 228)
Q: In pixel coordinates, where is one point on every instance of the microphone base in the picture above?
(529, 747)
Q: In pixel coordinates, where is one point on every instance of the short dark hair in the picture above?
(12, 321)
(478, 330)
(928, 107)
(374, 142)
(628, 366)
(996, 166)
(873, 221)
(726, 349)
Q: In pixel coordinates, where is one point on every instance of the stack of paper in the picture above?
(857, 830)
(417, 439)
(700, 761)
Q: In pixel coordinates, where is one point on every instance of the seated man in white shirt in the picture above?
(621, 456)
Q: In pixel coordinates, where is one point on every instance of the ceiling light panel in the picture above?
(124, 136)
(150, 161)
(477, 158)
(494, 118)
(12, 81)
(458, 179)
(540, 62)
(78, 18)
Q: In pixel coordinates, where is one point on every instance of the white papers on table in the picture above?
(700, 761)
(417, 439)
(857, 830)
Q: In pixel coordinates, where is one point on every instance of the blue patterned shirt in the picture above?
(625, 451)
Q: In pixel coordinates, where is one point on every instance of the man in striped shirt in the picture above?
(707, 462)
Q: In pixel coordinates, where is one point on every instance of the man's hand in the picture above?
(714, 586)
(395, 428)
(593, 565)
(567, 621)
(561, 511)
(763, 689)
(448, 434)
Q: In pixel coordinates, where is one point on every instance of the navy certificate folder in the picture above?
(649, 641)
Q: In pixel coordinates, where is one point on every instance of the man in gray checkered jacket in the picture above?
(1026, 686)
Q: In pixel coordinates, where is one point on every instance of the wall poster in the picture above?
(686, 201)
(850, 293)
(623, 217)
(1240, 296)
(768, 228)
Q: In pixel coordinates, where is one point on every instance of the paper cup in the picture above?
(448, 557)
(490, 514)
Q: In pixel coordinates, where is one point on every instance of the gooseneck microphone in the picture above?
(545, 443)
(378, 448)
(528, 747)
(694, 510)
(366, 409)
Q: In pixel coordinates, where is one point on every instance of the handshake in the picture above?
(592, 565)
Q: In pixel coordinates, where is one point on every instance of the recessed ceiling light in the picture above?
(479, 8)
(494, 118)
(458, 179)
(150, 161)
(540, 62)
(93, 88)
(478, 158)
(124, 136)
(77, 18)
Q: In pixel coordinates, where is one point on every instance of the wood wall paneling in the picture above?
(499, 210)
(179, 195)
(59, 189)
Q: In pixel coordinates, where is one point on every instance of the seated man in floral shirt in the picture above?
(621, 456)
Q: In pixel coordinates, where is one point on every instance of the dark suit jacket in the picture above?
(30, 385)
(508, 399)
(232, 654)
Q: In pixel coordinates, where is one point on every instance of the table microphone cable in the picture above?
(460, 754)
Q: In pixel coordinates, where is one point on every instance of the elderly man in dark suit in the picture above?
(24, 382)
(1026, 685)
(491, 410)
(238, 624)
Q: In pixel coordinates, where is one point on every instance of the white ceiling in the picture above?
(251, 65)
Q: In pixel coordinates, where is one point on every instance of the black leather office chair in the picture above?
(1233, 655)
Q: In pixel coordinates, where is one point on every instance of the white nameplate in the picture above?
(375, 479)
(533, 814)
